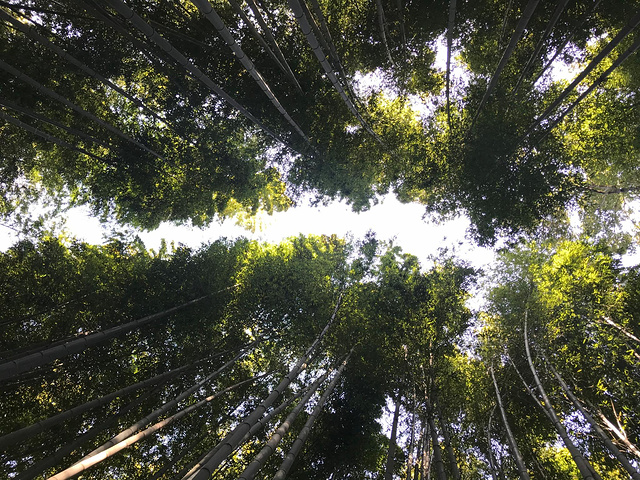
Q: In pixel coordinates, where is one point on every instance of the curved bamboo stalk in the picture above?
(490, 457)
(412, 435)
(259, 460)
(31, 33)
(42, 118)
(304, 433)
(161, 42)
(522, 24)
(15, 367)
(450, 25)
(382, 26)
(536, 52)
(94, 431)
(455, 471)
(618, 61)
(522, 469)
(234, 438)
(437, 452)
(505, 20)
(27, 432)
(583, 466)
(194, 466)
(333, 52)
(256, 34)
(620, 434)
(390, 464)
(322, 58)
(155, 58)
(635, 475)
(164, 408)
(276, 48)
(425, 470)
(403, 31)
(109, 452)
(50, 93)
(633, 23)
(170, 463)
(209, 12)
(566, 41)
(50, 138)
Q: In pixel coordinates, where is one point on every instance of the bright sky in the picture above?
(390, 219)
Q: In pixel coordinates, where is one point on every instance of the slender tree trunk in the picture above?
(417, 464)
(161, 42)
(450, 25)
(492, 461)
(42, 118)
(411, 440)
(437, 453)
(170, 463)
(391, 457)
(536, 53)
(333, 52)
(618, 432)
(16, 367)
(98, 457)
(157, 58)
(256, 34)
(566, 41)
(304, 433)
(193, 467)
(27, 432)
(633, 23)
(322, 58)
(382, 26)
(425, 471)
(635, 475)
(52, 94)
(455, 471)
(276, 48)
(233, 439)
(620, 328)
(50, 138)
(31, 33)
(522, 24)
(403, 32)
(53, 460)
(505, 20)
(122, 436)
(209, 12)
(580, 461)
(522, 469)
(259, 460)
(618, 61)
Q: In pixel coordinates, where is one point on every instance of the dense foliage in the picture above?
(181, 111)
(318, 357)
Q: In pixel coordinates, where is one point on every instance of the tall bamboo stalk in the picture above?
(522, 469)
(582, 464)
(306, 429)
(233, 439)
(635, 475)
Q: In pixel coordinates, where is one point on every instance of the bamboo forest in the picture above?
(320, 356)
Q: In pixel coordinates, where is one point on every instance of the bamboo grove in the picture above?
(194, 111)
(320, 358)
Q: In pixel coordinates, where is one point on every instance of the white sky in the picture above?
(390, 219)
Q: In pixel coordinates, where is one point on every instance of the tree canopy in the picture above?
(153, 111)
(320, 357)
